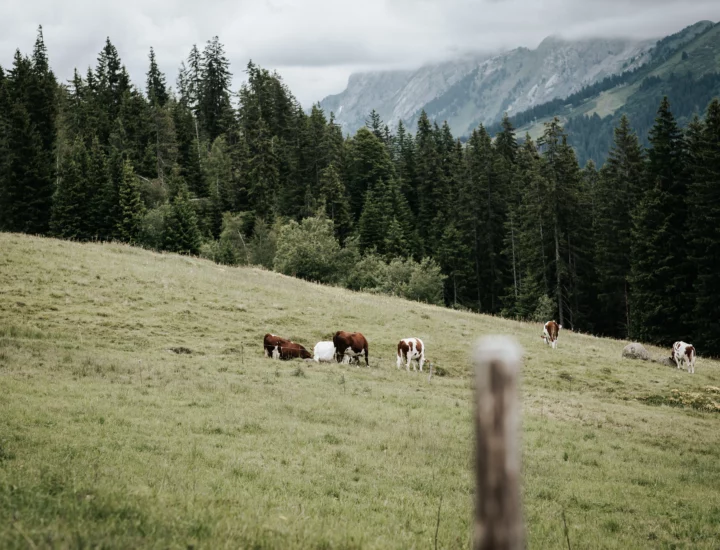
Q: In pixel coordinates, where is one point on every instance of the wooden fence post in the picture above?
(498, 521)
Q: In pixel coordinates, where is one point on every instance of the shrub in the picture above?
(397, 277)
(545, 310)
(263, 244)
(232, 246)
(367, 273)
(426, 282)
(152, 227)
(308, 250)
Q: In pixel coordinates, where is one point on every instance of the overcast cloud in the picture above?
(316, 44)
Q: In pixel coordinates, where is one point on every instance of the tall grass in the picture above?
(111, 437)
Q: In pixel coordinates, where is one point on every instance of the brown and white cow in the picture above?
(277, 347)
(684, 353)
(550, 333)
(349, 346)
(409, 350)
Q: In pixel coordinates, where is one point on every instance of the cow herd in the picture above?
(682, 353)
(349, 347)
(346, 348)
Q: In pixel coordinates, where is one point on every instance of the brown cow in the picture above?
(282, 348)
(349, 345)
(550, 333)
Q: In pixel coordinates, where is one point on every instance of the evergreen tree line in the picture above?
(491, 225)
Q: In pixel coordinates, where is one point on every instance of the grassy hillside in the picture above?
(687, 72)
(109, 438)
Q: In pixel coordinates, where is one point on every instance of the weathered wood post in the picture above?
(498, 515)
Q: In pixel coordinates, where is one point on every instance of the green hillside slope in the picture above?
(137, 410)
(687, 71)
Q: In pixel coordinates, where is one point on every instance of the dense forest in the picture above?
(631, 249)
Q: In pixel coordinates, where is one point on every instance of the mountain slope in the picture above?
(479, 89)
(137, 410)
(685, 67)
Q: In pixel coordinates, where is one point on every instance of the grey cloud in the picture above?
(316, 44)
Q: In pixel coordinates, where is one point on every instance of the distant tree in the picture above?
(29, 138)
(369, 162)
(704, 232)
(333, 195)
(181, 228)
(132, 209)
(658, 265)
(70, 211)
(156, 87)
(213, 94)
(616, 196)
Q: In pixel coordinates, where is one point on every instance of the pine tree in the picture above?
(333, 195)
(486, 204)
(565, 214)
(43, 105)
(5, 195)
(156, 87)
(375, 124)
(532, 240)
(263, 174)
(102, 203)
(454, 253)
(213, 95)
(111, 84)
(428, 175)
(181, 229)
(188, 148)
(192, 78)
(218, 174)
(27, 183)
(372, 223)
(132, 208)
(505, 142)
(369, 162)
(658, 265)
(616, 196)
(405, 165)
(72, 200)
(704, 231)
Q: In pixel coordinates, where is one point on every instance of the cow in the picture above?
(409, 350)
(324, 352)
(277, 347)
(349, 345)
(684, 353)
(550, 333)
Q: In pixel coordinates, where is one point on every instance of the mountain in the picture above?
(479, 88)
(684, 66)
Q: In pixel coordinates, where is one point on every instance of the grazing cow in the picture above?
(324, 352)
(409, 350)
(349, 345)
(282, 348)
(684, 353)
(550, 333)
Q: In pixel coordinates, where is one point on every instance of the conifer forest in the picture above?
(499, 224)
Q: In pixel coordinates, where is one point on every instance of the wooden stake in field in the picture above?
(498, 516)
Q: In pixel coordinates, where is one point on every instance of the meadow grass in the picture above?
(137, 410)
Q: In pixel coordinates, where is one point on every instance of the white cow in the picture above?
(684, 353)
(324, 352)
(409, 350)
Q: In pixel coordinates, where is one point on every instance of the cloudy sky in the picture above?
(316, 44)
